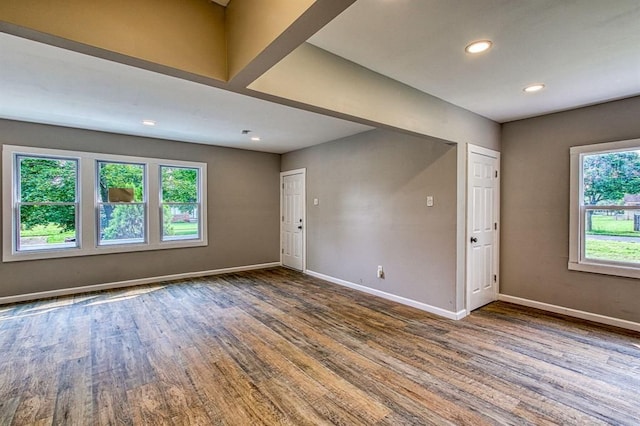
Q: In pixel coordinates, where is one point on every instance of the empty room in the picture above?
(309, 212)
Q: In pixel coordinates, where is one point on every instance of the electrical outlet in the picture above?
(380, 272)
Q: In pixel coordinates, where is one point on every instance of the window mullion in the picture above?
(154, 213)
(87, 218)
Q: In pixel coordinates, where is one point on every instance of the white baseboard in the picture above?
(130, 283)
(403, 300)
(602, 319)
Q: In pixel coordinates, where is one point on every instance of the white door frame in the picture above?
(467, 236)
(302, 171)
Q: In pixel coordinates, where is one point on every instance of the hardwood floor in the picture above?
(278, 347)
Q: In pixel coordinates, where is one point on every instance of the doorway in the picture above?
(483, 226)
(293, 219)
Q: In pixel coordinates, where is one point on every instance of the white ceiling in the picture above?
(585, 51)
(45, 84)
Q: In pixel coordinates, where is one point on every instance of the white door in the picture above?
(292, 221)
(483, 188)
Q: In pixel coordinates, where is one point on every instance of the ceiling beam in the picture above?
(314, 79)
(260, 33)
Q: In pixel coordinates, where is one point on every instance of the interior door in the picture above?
(293, 226)
(482, 226)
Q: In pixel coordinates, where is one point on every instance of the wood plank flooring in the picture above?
(277, 347)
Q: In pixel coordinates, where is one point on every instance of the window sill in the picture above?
(599, 268)
(54, 253)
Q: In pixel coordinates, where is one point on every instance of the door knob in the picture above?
(300, 227)
(474, 240)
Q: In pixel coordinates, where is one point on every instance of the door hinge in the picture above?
(282, 251)
(496, 173)
(495, 226)
(283, 218)
(495, 278)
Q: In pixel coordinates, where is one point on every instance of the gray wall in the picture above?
(535, 209)
(243, 212)
(372, 189)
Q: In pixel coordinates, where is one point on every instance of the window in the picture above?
(122, 210)
(180, 203)
(605, 208)
(64, 203)
(46, 205)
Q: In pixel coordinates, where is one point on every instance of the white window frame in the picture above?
(144, 203)
(163, 203)
(19, 203)
(577, 260)
(87, 227)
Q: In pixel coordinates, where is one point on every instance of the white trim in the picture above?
(577, 260)
(606, 269)
(602, 319)
(8, 225)
(495, 155)
(303, 172)
(130, 283)
(614, 146)
(461, 227)
(483, 151)
(574, 210)
(294, 172)
(402, 300)
(87, 226)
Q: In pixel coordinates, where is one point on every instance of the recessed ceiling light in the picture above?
(478, 46)
(148, 122)
(255, 139)
(534, 88)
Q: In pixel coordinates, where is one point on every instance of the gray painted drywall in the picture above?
(535, 209)
(243, 212)
(372, 211)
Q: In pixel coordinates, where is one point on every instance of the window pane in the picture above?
(179, 184)
(180, 222)
(47, 180)
(612, 235)
(120, 182)
(47, 227)
(611, 178)
(122, 223)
